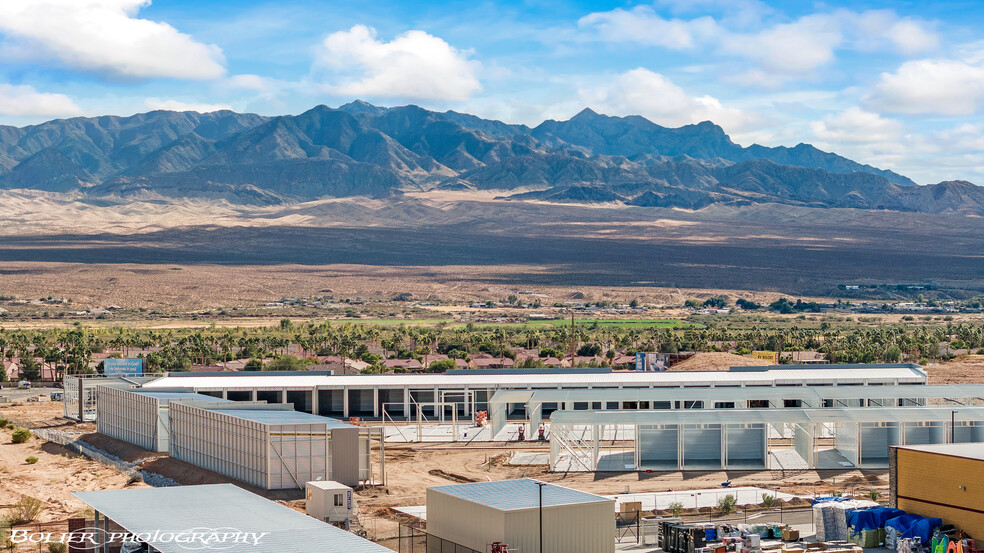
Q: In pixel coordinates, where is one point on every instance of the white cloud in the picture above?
(795, 48)
(799, 48)
(930, 86)
(177, 105)
(250, 82)
(23, 100)
(778, 52)
(643, 92)
(856, 125)
(105, 36)
(642, 25)
(414, 65)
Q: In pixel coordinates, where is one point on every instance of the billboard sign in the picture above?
(766, 356)
(650, 361)
(123, 367)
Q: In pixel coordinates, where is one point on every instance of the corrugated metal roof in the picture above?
(771, 416)
(967, 451)
(223, 507)
(179, 395)
(279, 416)
(814, 393)
(514, 495)
(777, 376)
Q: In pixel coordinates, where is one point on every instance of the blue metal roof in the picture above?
(514, 495)
(160, 513)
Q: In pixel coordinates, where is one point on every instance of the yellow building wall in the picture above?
(941, 486)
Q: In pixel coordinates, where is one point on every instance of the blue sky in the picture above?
(899, 85)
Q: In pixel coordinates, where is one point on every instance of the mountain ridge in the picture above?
(360, 149)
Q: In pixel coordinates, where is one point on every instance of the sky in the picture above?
(898, 85)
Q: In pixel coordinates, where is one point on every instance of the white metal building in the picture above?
(140, 417)
(738, 439)
(538, 404)
(477, 515)
(222, 517)
(402, 395)
(269, 446)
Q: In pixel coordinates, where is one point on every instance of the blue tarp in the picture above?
(871, 518)
(831, 498)
(912, 526)
(710, 534)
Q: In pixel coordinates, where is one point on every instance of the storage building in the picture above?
(269, 446)
(940, 481)
(139, 417)
(477, 515)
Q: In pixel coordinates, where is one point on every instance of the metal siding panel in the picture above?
(657, 446)
(746, 445)
(701, 446)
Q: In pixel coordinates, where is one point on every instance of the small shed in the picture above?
(479, 514)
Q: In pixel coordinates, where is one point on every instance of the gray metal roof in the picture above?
(514, 495)
(221, 506)
(278, 416)
(815, 393)
(777, 375)
(185, 394)
(771, 416)
(967, 451)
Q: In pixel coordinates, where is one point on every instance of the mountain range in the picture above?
(360, 149)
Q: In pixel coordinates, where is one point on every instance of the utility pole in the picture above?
(953, 417)
(572, 338)
(541, 485)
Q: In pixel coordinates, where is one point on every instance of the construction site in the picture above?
(748, 445)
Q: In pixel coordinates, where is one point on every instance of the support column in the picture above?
(314, 401)
(225, 394)
(406, 402)
(283, 395)
(375, 402)
(252, 395)
(345, 402)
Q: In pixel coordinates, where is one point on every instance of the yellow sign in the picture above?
(766, 356)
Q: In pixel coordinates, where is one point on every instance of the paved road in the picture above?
(11, 393)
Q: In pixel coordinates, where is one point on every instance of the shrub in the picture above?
(768, 501)
(31, 460)
(873, 494)
(57, 547)
(675, 508)
(21, 435)
(727, 504)
(3, 422)
(24, 511)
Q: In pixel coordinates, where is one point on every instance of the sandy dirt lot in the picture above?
(966, 369)
(51, 479)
